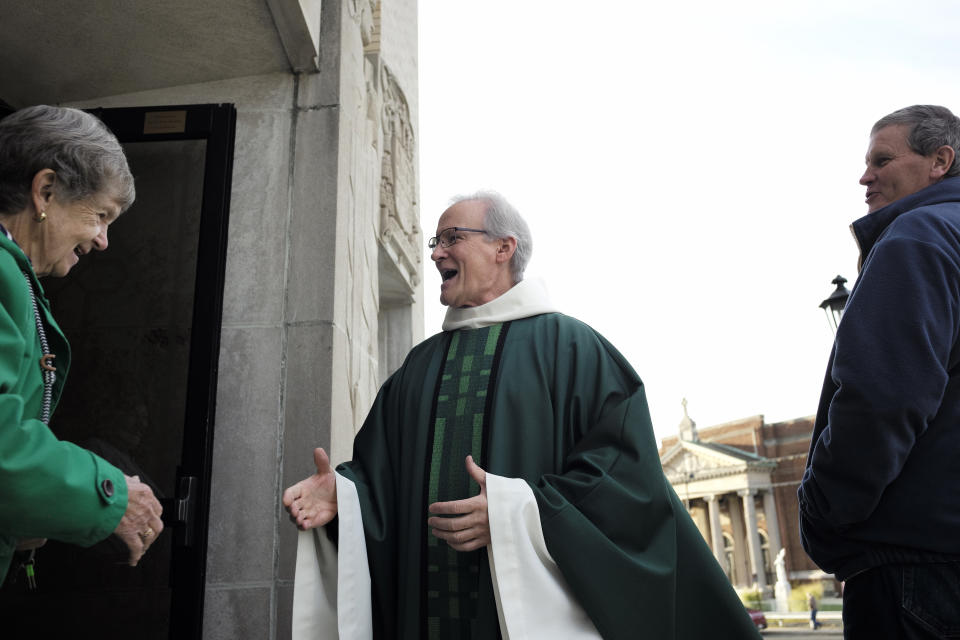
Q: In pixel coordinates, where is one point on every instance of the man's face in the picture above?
(894, 170)
(469, 268)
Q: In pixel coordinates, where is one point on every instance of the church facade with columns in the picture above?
(739, 481)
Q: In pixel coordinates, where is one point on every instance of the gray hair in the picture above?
(85, 156)
(502, 220)
(931, 127)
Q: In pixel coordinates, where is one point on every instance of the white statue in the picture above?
(782, 588)
(781, 565)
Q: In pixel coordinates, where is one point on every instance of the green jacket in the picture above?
(49, 488)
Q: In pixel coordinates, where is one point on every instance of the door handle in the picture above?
(180, 513)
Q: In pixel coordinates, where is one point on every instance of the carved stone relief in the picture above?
(380, 217)
(400, 236)
(360, 216)
(391, 133)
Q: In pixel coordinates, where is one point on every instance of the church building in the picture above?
(739, 481)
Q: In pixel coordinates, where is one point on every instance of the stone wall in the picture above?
(317, 298)
(242, 597)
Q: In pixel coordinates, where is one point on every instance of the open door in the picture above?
(143, 320)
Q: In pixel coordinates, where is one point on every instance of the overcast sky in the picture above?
(688, 170)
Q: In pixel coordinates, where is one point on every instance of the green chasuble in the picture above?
(566, 413)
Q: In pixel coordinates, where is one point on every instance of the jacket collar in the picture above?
(868, 229)
(10, 245)
(7, 242)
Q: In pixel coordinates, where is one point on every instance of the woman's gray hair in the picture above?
(83, 153)
(502, 220)
(931, 127)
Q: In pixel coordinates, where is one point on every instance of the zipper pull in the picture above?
(28, 567)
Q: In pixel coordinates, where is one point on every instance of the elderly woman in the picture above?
(63, 180)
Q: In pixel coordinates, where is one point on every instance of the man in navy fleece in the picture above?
(880, 498)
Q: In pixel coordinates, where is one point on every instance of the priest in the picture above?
(506, 483)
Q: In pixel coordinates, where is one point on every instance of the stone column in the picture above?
(773, 522)
(753, 539)
(740, 570)
(716, 533)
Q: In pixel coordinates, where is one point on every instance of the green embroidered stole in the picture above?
(461, 415)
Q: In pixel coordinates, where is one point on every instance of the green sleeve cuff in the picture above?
(111, 486)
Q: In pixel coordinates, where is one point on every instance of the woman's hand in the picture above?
(140, 524)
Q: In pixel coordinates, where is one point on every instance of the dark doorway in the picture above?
(143, 320)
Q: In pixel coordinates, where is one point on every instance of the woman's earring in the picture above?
(41, 217)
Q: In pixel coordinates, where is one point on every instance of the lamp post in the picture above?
(833, 306)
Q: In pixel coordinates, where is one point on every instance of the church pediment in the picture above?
(690, 461)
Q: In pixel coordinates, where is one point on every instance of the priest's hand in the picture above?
(470, 528)
(312, 502)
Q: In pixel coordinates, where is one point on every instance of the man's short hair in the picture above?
(502, 220)
(931, 127)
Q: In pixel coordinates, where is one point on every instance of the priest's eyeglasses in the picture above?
(448, 237)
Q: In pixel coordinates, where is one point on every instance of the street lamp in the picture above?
(833, 306)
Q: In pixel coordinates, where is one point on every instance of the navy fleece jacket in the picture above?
(882, 482)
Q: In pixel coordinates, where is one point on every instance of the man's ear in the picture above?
(41, 188)
(506, 247)
(942, 161)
